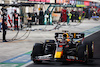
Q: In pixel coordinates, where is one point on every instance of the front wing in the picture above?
(50, 58)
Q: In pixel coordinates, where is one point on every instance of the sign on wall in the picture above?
(41, 0)
(31, 0)
(48, 1)
(72, 2)
(66, 1)
(62, 1)
(37, 0)
(86, 3)
(59, 1)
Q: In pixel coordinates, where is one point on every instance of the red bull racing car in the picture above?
(65, 47)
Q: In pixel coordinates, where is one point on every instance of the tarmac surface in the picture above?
(23, 45)
(95, 62)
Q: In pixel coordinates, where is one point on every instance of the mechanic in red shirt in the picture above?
(64, 15)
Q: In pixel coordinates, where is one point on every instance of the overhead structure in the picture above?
(93, 0)
(50, 12)
(24, 4)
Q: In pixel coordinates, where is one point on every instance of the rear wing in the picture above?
(69, 35)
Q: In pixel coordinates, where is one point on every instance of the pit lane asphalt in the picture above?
(95, 62)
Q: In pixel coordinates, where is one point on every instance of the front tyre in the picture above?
(83, 53)
(37, 51)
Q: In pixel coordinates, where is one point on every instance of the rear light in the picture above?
(60, 45)
(68, 59)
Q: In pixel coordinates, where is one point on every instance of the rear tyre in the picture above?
(81, 49)
(83, 53)
(90, 48)
(86, 54)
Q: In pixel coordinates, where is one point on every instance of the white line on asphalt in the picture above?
(91, 33)
(27, 64)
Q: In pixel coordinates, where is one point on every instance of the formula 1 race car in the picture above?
(65, 47)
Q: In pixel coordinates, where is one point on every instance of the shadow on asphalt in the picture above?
(90, 63)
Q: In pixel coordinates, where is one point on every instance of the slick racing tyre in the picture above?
(83, 53)
(90, 47)
(81, 49)
(86, 54)
(37, 51)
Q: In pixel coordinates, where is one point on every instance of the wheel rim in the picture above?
(86, 54)
(92, 47)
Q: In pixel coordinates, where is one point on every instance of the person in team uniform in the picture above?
(29, 18)
(64, 15)
(41, 17)
(4, 27)
(73, 15)
(15, 15)
(0, 21)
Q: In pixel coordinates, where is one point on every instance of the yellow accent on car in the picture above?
(92, 46)
(47, 40)
(58, 55)
(67, 35)
(68, 40)
(78, 41)
(74, 35)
